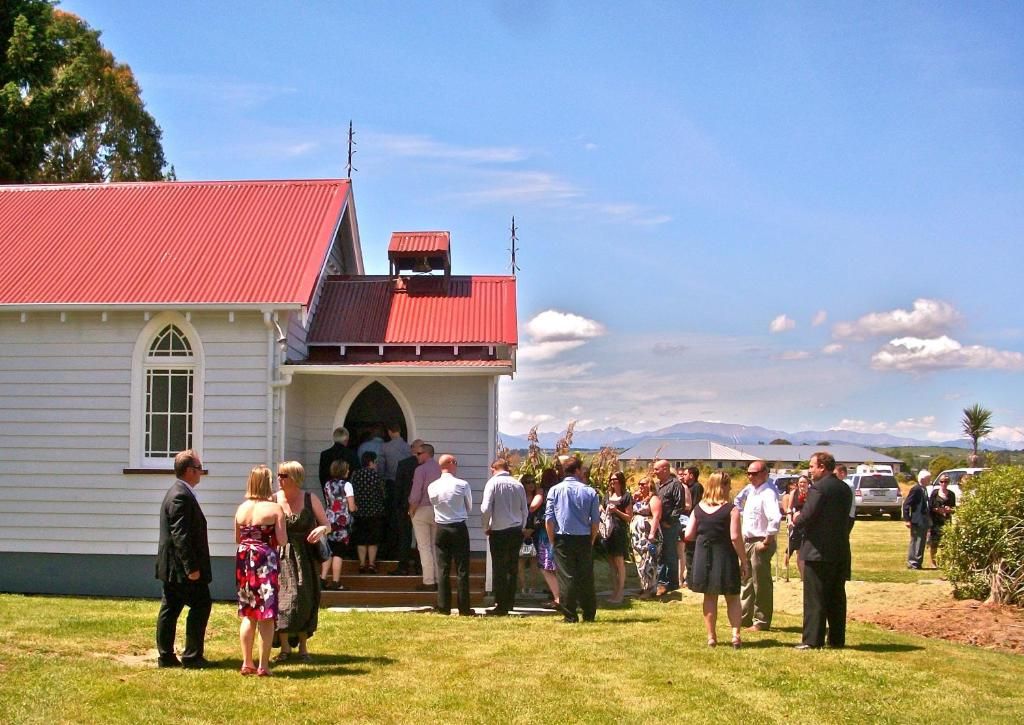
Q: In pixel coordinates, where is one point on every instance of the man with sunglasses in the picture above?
(759, 505)
(183, 565)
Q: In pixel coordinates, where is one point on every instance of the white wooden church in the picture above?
(231, 317)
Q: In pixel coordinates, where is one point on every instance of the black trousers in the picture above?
(824, 603)
(194, 595)
(452, 542)
(574, 558)
(504, 547)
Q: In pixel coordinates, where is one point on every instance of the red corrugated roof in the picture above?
(420, 242)
(417, 311)
(248, 242)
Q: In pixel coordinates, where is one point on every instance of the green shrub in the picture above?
(982, 548)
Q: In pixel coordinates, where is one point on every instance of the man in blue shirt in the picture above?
(571, 520)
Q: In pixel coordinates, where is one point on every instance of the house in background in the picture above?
(718, 456)
(231, 317)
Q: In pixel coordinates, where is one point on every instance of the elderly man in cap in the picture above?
(917, 517)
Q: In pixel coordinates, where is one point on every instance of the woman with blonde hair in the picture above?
(719, 561)
(259, 528)
(645, 536)
(306, 523)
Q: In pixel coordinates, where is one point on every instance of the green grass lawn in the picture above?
(67, 659)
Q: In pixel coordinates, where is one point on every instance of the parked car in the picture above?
(955, 475)
(782, 480)
(877, 493)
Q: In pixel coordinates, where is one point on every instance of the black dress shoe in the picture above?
(196, 663)
(426, 587)
(496, 612)
(470, 613)
(169, 662)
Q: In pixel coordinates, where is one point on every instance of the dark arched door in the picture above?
(374, 406)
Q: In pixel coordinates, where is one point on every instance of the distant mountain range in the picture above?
(733, 433)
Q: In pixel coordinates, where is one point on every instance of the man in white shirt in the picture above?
(759, 503)
(452, 500)
(840, 473)
(503, 513)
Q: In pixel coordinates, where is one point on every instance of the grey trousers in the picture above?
(757, 593)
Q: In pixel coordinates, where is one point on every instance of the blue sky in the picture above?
(797, 215)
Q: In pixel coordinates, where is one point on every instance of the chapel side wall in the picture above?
(450, 412)
(65, 405)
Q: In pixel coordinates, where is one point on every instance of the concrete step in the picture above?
(386, 583)
(391, 599)
(477, 565)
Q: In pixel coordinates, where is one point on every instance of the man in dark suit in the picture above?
(826, 554)
(400, 512)
(337, 452)
(183, 565)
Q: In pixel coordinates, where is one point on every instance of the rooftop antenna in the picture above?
(513, 248)
(351, 149)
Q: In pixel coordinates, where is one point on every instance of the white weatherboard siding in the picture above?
(65, 403)
(449, 412)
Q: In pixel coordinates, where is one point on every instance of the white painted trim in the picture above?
(359, 386)
(398, 370)
(136, 424)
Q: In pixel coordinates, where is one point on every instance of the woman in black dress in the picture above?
(617, 512)
(942, 501)
(719, 561)
(368, 487)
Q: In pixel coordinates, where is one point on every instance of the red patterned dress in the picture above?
(256, 572)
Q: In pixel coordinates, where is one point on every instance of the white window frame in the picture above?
(142, 362)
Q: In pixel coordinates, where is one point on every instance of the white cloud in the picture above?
(529, 352)
(819, 318)
(781, 324)
(860, 426)
(832, 348)
(942, 353)
(924, 422)
(417, 146)
(518, 416)
(576, 410)
(795, 355)
(555, 326)
(1006, 433)
(520, 187)
(928, 318)
(668, 348)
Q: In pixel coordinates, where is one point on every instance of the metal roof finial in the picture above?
(351, 149)
(513, 248)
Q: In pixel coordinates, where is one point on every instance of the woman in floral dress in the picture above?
(341, 504)
(259, 526)
(646, 548)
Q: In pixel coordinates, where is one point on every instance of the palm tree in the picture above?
(976, 424)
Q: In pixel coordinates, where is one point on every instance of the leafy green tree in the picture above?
(68, 110)
(976, 424)
(780, 442)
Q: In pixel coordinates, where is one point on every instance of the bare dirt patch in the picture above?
(926, 608)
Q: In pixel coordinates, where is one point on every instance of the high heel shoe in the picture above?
(736, 643)
(712, 642)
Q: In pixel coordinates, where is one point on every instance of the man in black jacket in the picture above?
(183, 565)
(400, 512)
(337, 452)
(826, 554)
